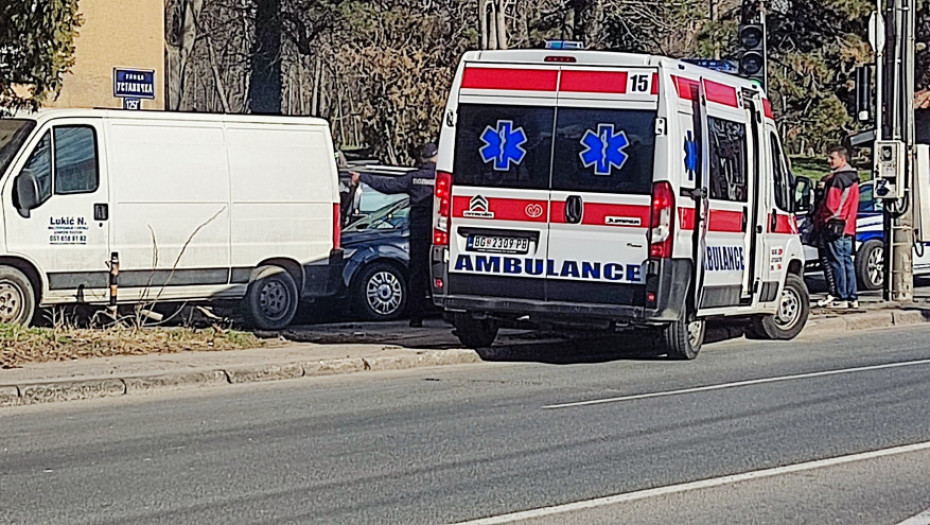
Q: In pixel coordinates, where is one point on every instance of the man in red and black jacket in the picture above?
(836, 220)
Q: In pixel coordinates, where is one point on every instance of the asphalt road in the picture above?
(589, 422)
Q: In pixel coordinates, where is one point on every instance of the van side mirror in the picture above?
(27, 193)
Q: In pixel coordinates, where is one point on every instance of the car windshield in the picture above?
(13, 132)
(388, 217)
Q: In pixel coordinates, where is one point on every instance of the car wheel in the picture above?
(793, 309)
(474, 332)
(870, 260)
(271, 299)
(380, 292)
(17, 297)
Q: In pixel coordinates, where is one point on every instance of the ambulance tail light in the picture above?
(663, 213)
(443, 208)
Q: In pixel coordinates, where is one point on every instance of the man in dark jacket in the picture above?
(419, 185)
(836, 220)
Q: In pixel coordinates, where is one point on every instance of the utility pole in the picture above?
(894, 151)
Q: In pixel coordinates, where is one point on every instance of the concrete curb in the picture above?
(70, 390)
(874, 320)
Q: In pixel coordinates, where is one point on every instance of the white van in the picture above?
(612, 190)
(192, 207)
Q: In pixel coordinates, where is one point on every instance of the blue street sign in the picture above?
(133, 83)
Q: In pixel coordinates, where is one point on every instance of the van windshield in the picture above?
(13, 132)
(603, 150)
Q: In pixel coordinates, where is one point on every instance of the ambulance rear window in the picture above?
(503, 146)
(604, 150)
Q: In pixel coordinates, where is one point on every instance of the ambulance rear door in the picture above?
(732, 135)
(602, 176)
(500, 190)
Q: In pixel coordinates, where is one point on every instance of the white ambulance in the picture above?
(612, 190)
(191, 207)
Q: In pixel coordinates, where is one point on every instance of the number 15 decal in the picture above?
(640, 83)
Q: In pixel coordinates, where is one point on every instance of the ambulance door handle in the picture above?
(773, 224)
(745, 219)
(574, 209)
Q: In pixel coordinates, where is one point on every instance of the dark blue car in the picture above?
(374, 282)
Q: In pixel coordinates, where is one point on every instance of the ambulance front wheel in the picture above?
(474, 333)
(789, 320)
(684, 337)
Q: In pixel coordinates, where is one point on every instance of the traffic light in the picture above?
(752, 53)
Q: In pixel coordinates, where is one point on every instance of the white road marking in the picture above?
(738, 384)
(921, 519)
(698, 485)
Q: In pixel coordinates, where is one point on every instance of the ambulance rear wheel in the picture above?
(474, 333)
(684, 337)
(789, 320)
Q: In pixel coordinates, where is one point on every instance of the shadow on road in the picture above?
(511, 345)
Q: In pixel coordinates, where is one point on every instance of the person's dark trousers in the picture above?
(420, 240)
(828, 273)
(839, 254)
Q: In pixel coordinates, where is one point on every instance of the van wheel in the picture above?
(17, 297)
(474, 333)
(380, 292)
(789, 320)
(271, 300)
(870, 262)
(684, 337)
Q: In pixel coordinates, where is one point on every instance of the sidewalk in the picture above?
(348, 348)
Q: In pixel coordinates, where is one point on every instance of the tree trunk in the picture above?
(181, 35)
(265, 81)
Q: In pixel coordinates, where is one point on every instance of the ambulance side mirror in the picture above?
(803, 195)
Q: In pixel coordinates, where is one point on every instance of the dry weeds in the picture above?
(19, 346)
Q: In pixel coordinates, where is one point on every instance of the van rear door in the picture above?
(500, 194)
(602, 178)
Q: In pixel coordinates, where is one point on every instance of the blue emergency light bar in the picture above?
(724, 66)
(564, 44)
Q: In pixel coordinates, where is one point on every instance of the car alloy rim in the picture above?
(274, 300)
(789, 310)
(11, 302)
(384, 293)
(876, 275)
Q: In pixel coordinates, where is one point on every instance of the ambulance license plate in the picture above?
(496, 244)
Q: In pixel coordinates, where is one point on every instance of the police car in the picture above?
(870, 243)
(616, 191)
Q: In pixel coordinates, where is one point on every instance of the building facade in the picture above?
(124, 34)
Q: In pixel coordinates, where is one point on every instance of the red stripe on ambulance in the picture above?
(502, 209)
(510, 79)
(720, 93)
(594, 81)
(724, 221)
(767, 108)
(783, 223)
(599, 214)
